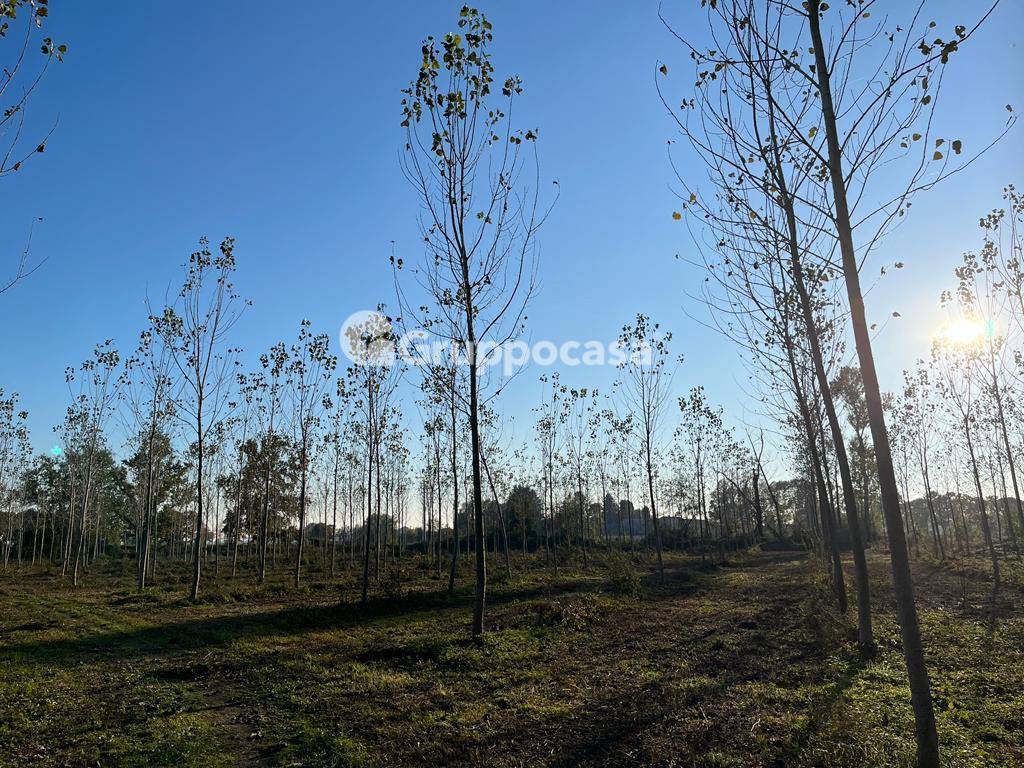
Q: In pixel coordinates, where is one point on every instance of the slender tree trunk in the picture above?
(236, 533)
(480, 594)
(830, 522)
(197, 559)
(913, 649)
(865, 636)
(147, 504)
(83, 522)
(986, 530)
(1010, 523)
(940, 551)
(963, 515)
(455, 497)
(654, 511)
(583, 524)
(829, 548)
(334, 516)
(265, 524)
(997, 391)
(369, 494)
(302, 510)
(501, 518)
(440, 506)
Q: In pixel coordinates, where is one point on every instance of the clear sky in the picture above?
(279, 124)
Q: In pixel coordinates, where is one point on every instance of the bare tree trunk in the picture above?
(654, 511)
(986, 530)
(440, 506)
(238, 511)
(480, 594)
(369, 495)
(302, 511)
(583, 524)
(334, 517)
(913, 649)
(829, 519)
(997, 392)
(197, 546)
(501, 518)
(1010, 523)
(829, 549)
(939, 549)
(265, 523)
(455, 495)
(865, 637)
(758, 511)
(963, 516)
(147, 509)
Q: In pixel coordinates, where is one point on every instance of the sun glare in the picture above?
(961, 332)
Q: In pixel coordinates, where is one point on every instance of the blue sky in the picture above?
(281, 127)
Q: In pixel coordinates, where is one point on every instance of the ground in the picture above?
(742, 665)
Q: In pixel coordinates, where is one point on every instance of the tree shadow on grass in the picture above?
(628, 721)
(633, 723)
(819, 713)
(213, 631)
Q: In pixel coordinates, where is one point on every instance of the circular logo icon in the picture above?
(367, 338)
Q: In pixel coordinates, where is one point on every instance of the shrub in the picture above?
(391, 584)
(622, 577)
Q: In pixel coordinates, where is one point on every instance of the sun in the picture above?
(962, 332)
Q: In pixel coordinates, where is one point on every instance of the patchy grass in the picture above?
(741, 666)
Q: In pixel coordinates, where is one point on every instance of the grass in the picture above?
(741, 666)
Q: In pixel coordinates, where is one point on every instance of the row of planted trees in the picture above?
(816, 127)
(794, 111)
(80, 501)
(218, 460)
(267, 487)
(957, 417)
(711, 487)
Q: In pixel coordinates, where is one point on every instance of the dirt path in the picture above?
(233, 728)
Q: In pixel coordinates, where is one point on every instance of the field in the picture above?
(745, 664)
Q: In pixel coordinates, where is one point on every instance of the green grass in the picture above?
(740, 666)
